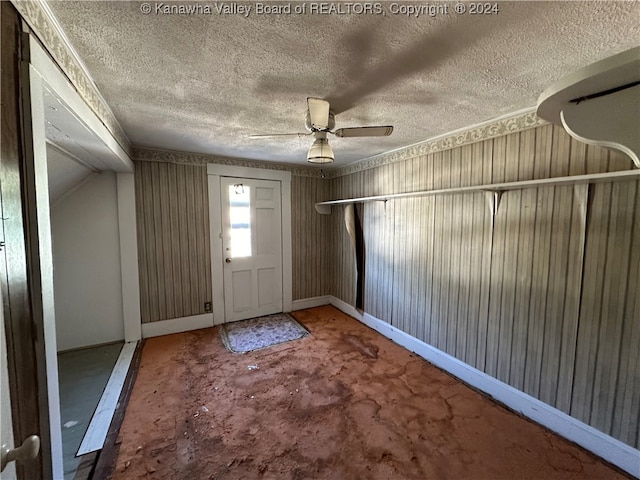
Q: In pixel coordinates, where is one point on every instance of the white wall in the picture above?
(86, 265)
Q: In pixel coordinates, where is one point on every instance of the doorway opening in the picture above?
(78, 192)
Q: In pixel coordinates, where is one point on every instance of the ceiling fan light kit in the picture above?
(320, 151)
(319, 121)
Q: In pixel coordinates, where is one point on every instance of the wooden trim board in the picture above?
(305, 303)
(129, 256)
(104, 465)
(98, 428)
(346, 308)
(177, 325)
(324, 208)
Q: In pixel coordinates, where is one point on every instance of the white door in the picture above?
(252, 247)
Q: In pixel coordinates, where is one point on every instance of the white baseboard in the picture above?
(99, 427)
(310, 302)
(345, 307)
(177, 325)
(614, 451)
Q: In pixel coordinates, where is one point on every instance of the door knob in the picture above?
(228, 260)
(27, 451)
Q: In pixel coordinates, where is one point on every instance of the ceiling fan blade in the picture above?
(364, 131)
(274, 135)
(318, 113)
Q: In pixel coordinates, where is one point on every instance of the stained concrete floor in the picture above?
(343, 403)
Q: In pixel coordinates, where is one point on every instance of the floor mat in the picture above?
(257, 333)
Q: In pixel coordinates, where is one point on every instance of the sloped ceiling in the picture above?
(204, 82)
(64, 173)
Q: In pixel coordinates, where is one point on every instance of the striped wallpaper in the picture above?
(173, 239)
(545, 297)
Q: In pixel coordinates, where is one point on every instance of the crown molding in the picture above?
(143, 154)
(511, 123)
(46, 28)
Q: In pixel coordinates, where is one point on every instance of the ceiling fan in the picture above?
(320, 121)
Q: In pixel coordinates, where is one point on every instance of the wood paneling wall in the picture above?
(173, 240)
(545, 296)
(174, 244)
(310, 233)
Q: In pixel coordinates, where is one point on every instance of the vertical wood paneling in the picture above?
(484, 154)
(559, 249)
(157, 263)
(445, 267)
(613, 301)
(524, 267)
(147, 251)
(181, 256)
(464, 266)
(176, 263)
(310, 234)
(163, 234)
(544, 296)
(454, 299)
(398, 264)
(173, 240)
(540, 276)
(195, 245)
(499, 239)
(417, 260)
(591, 302)
(437, 283)
(142, 240)
(475, 239)
(559, 252)
(370, 228)
(204, 263)
(608, 310)
(510, 284)
(575, 262)
(425, 239)
(380, 230)
(626, 415)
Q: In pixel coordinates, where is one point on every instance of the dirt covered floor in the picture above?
(343, 403)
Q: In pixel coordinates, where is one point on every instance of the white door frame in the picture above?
(45, 78)
(214, 172)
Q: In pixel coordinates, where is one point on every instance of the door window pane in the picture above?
(240, 215)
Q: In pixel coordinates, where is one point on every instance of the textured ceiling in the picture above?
(204, 82)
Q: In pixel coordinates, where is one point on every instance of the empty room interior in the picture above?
(320, 240)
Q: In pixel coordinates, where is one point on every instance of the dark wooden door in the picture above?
(19, 257)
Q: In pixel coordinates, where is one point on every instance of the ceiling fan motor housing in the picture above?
(330, 124)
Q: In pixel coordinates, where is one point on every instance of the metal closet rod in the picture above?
(325, 207)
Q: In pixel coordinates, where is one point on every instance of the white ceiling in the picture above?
(64, 173)
(202, 83)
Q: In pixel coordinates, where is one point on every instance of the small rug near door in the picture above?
(256, 333)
